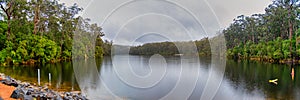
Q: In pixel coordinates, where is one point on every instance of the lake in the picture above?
(169, 77)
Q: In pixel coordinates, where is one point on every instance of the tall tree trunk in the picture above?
(290, 31)
(36, 17)
(296, 53)
(8, 11)
(61, 43)
(253, 37)
(8, 26)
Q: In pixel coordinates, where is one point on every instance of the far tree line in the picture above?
(200, 47)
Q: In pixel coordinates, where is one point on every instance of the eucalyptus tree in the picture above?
(291, 5)
(12, 9)
(7, 8)
(36, 19)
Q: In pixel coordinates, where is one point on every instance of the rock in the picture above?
(46, 90)
(50, 95)
(14, 83)
(25, 84)
(7, 78)
(27, 91)
(34, 95)
(6, 81)
(79, 97)
(42, 96)
(30, 91)
(58, 97)
(76, 97)
(26, 97)
(16, 94)
(68, 98)
(68, 94)
(10, 82)
(33, 87)
(83, 97)
(22, 90)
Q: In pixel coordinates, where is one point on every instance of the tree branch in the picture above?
(3, 8)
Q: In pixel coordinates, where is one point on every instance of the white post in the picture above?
(49, 78)
(39, 77)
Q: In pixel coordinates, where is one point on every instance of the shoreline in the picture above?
(268, 60)
(15, 89)
(32, 62)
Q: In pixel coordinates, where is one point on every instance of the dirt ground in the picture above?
(5, 91)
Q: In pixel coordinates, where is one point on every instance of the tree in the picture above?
(270, 32)
(41, 31)
(8, 9)
(36, 15)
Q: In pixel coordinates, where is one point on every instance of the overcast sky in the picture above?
(142, 21)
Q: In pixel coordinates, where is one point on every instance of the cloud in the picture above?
(177, 20)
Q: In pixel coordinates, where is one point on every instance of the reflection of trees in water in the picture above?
(61, 75)
(73, 82)
(86, 74)
(254, 75)
(292, 72)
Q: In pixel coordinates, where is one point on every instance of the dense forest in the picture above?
(173, 48)
(272, 36)
(41, 31)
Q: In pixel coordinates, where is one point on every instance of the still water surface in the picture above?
(241, 80)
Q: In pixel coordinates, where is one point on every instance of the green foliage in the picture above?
(99, 52)
(30, 47)
(42, 31)
(3, 56)
(164, 48)
(268, 36)
(106, 48)
(275, 50)
(172, 48)
(264, 27)
(3, 27)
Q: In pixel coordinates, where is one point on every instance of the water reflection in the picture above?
(242, 80)
(110, 86)
(293, 72)
(62, 75)
(254, 77)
